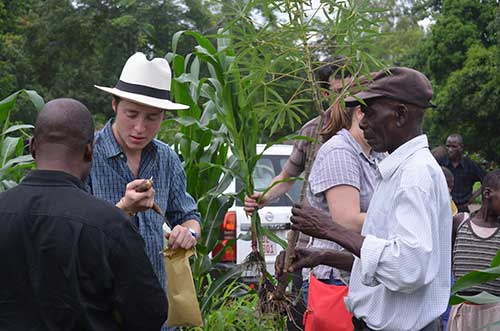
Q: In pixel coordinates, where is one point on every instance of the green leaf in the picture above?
(7, 104)
(18, 127)
(228, 246)
(212, 231)
(175, 40)
(284, 180)
(274, 238)
(474, 278)
(36, 99)
(203, 41)
(8, 148)
(23, 159)
(496, 260)
(480, 299)
(218, 284)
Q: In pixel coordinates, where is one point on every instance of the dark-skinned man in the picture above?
(71, 261)
(400, 275)
(465, 172)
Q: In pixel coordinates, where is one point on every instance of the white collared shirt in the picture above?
(402, 279)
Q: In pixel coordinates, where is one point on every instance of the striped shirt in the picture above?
(110, 175)
(340, 161)
(474, 252)
(402, 279)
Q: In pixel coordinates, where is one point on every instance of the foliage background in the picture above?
(62, 48)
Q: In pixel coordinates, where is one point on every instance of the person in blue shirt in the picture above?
(126, 152)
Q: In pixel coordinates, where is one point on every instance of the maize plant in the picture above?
(15, 160)
(254, 77)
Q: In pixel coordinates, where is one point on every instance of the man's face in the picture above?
(135, 124)
(378, 124)
(454, 148)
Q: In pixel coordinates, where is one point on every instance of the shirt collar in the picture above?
(111, 146)
(52, 178)
(392, 162)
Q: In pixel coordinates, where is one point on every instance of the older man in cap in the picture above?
(400, 277)
(126, 152)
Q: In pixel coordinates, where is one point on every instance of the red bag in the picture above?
(325, 308)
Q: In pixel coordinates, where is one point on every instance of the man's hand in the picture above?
(311, 221)
(133, 201)
(304, 258)
(250, 203)
(180, 237)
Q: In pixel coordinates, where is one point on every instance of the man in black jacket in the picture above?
(69, 260)
(465, 172)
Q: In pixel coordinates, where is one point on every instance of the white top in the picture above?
(402, 279)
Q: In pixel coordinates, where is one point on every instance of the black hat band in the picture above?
(143, 90)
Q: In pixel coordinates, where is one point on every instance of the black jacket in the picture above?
(69, 261)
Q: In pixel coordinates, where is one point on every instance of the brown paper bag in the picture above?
(183, 306)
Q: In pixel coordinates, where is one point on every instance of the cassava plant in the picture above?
(221, 117)
(279, 51)
(258, 78)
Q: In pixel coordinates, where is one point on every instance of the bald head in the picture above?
(63, 137)
(66, 122)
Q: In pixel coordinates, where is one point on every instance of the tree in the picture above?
(62, 48)
(14, 65)
(461, 56)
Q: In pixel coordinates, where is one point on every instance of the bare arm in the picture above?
(280, 188)
(318, 224)
(343, 203)
(273, 193)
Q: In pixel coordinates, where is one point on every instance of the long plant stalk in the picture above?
(293, 236)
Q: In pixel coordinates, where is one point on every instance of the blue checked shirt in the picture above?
(110, 175)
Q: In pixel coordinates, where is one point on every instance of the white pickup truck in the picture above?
(274, 216)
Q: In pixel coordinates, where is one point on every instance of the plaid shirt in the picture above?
(340, 161)
(110, 175)
(464, 176)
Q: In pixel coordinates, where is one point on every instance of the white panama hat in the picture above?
(145, 82)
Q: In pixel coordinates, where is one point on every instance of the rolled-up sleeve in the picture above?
(181, 206)
(406, 260)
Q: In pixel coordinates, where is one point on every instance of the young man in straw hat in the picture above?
(126, 152)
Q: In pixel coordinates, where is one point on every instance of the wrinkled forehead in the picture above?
(378, 103)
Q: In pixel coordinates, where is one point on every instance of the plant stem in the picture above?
(293, 236)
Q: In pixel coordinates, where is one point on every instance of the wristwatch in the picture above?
(193, 233)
